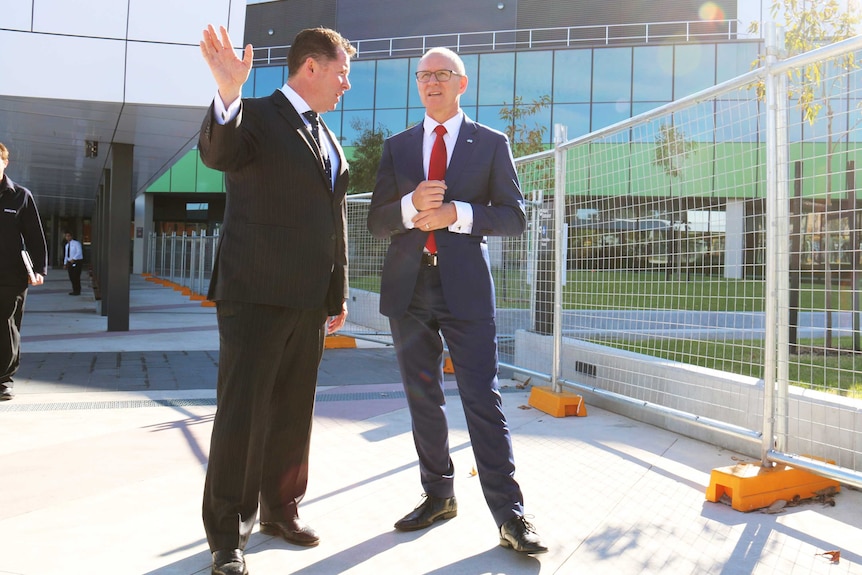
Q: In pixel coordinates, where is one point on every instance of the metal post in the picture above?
(173, 255)
(183, 242)
(772, 247)
(781, 251)
(559, 262)
(533, 251)
(202, 250)
(193, 244)
(163, 253)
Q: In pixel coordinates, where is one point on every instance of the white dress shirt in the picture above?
(224, 115)
(74, 251)
(464, 211)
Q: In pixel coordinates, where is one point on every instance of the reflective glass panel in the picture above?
(353, 124)
(572, 75)
(575, 117)
(607, 114)
(393, 120)
(333, 122)
(653, 73)
(535, 72)
(417, 115)
(393, 82)
(612, 74)
(267, 80)
(471, 66)
(734, 59)
(361, 93)
(694, 69)
(490, 116)
(496, 78)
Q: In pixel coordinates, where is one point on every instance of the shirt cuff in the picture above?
(224, 115)
(464, 223)
(408, 211)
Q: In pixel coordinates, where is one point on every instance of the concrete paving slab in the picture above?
(104, 451)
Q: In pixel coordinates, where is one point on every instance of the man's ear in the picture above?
(463, 87)
(310, 65)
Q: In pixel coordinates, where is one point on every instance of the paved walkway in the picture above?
(103, 453)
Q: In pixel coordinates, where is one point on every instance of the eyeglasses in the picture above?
(441, 75)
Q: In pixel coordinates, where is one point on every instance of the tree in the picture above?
(672, 149)
(534, 177)
(524, 139)
(807, 25)
(368, 147)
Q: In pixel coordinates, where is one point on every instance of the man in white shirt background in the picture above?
(72, 262)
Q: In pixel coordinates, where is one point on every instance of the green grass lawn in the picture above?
(650, 290)
(839, 371)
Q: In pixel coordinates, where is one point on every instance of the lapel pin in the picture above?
(470, 140)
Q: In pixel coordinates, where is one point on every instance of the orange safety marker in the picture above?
(448, 366)
(558, 404)
(751, 486)
(337, 341)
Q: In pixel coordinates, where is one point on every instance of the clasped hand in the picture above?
(433, 214)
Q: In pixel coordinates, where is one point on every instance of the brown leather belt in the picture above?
(429, 259)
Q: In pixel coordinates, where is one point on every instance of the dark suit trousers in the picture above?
(12, 312)
(268, 361)
(75, 276)
(473, 349)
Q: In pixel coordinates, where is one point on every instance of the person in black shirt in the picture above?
(20, 229)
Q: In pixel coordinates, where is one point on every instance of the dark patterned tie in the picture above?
(436, 171)
(314, 121)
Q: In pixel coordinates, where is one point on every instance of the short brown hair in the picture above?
(317, 43)
(4, 153)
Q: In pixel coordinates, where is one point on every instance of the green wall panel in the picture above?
(184, 173)
(208, 180)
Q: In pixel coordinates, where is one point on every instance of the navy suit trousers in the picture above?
(473, 349)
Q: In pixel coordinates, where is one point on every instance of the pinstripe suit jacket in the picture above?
(284, 238)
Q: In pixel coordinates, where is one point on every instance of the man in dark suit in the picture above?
(280, 270)
(20, 227)
(437, 278)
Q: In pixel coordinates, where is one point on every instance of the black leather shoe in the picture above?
(5, 393)
(229, 562)
(295, 531)
(74, 293)
(426, 513)
(520, 535)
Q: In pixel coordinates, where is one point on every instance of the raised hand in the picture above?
(229, 72)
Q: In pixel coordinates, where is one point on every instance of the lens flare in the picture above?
(711, 11)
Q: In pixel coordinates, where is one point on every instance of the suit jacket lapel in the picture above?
(462, 154)
(286, 109)
(414, 153)
(342, 161)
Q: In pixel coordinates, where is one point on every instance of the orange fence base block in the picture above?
(751, 486)
(197, 297)
(339, 342)
(558, 404)
(448, 366)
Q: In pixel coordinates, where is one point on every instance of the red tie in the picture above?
(436, 171)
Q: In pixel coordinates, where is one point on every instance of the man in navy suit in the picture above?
(280, 271)
(437, 279)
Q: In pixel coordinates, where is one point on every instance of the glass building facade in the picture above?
(589, 88)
